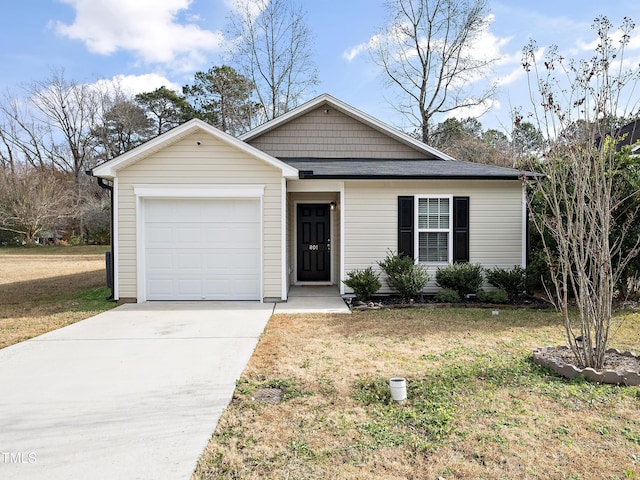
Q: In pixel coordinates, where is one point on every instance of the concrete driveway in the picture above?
(133, 393)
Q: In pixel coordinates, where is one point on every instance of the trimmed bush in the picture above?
(447, 296)
(404, 276)
(364, 283)
(494, 296)
(513, 282)
(464, 278)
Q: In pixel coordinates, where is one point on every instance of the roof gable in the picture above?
(405, 146)
(109, 170)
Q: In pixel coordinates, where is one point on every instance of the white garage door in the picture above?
(198, 249)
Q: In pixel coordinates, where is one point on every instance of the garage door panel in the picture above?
(202, 249)
(228, 289)
(185, 211)
(168, 260)
(161, 287)
(233, 234)
(187, 262)
(188, 235)
(159, 261)
(188, 287)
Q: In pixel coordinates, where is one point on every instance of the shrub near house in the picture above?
(364, 283)
(404, 275)
(464, 278)
(513, 282)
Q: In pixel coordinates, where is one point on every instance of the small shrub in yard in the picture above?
(404, 276)
(464, 278)
(447, 296)
(513, 282)
(364, 283)
(494, 296)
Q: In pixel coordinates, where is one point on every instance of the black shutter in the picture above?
(460, 229)
(405, 226)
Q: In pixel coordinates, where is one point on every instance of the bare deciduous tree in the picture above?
(582, 195)
(23, 137)
(272, 48)
(70, 110)
(428, 57)
(32, 200)
(54, 130)
(124, 125)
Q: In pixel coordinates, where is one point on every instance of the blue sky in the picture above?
(149, 43)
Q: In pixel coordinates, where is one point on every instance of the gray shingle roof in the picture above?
(353, 168)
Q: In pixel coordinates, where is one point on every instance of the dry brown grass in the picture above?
(501, 415)
(40, 292)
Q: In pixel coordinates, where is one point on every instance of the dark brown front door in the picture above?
(314, 243)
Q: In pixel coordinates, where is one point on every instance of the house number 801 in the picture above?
(313, 247)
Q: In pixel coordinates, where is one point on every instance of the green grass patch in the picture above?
(421, 423)
(91, 300)
(56, 250)
(290, 388)
(428, 417)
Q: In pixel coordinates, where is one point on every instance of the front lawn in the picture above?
(478, 406)
(45, 288)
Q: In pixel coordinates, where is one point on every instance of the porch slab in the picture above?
(313, 299)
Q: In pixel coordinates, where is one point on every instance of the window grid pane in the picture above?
(433, 247)
(433, 213)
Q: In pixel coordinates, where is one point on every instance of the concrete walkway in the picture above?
(133, 393)
(313, 299)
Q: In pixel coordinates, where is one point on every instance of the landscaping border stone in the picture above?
(630, 378)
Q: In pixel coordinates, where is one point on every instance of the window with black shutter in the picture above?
(405, 226)
(460, 229)
(442, 229)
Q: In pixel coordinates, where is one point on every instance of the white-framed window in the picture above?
(434, 219)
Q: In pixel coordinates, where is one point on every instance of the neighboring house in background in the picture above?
(302, 199)
(49, 237)
(630, 135)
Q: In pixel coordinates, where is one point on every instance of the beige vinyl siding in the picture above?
(186, 163)
(331, 135)
(495, 220)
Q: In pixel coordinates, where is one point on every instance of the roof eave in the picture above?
(307, 175)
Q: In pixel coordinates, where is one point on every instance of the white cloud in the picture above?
(475, 111)
(353, 52)
(133, 84)
(511, 77)
(518, 70)
(489, 46)
(147, 28)
(252, 7)
(631, 57)
(616, 37)
(485, 47)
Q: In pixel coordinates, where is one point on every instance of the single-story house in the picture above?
(303, 199)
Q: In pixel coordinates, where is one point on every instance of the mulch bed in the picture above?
(393, 301)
